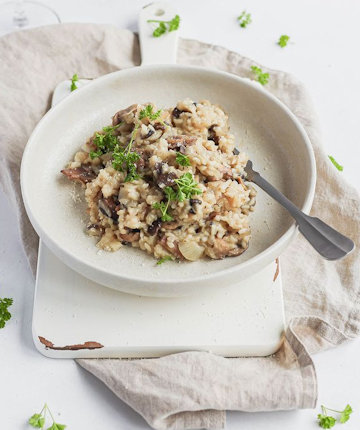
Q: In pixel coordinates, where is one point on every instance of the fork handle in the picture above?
(328, 242)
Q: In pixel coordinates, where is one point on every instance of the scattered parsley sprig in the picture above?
(5, 315)
(38, 420)
(283, 40)
(165, 26)
(244, 19)
(335, 163)
(262, 78)
(74, 79)
(163, 259)
(327, 421)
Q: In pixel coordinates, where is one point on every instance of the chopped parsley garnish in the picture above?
(327, 421)
(74, 79)
(147, 112)
(186, 188)
(335, 163)
(165, 26)
(182, 159)
(126, 159)
(5, 315)
(263, 78)
(122, 158)
(163, 207)
(105, 142)
(283, 40)
(163, 259)
(38, 420)
(244, 19)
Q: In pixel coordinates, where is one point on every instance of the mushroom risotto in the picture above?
(170, 182)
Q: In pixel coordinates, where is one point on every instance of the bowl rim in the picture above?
(275, 249)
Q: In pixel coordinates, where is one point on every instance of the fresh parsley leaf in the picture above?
(244, 19)
(5, 315)
(325, 421)
(105, 142)
(37, 421)
(74, 79)
(147, 112)
(263, 78)
(335, 163)
(124, 160)
(170, 193)
(163, 208)
(160, 30)
(345, 414)
(163, 259)
(182, 159)
(187, 187)
(57, 426)
(283, 40)
(165, 26)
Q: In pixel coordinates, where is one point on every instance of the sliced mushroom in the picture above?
(154, 227)
(176, 112)
(174, 251)
(212, 134)
(171, 225)
(130, 237)
(180, 141)
(164, 179)
(83, 174)
(193, 204)
(222, 249)
(120, 116)
(109, 207)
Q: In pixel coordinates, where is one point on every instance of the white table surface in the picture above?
(325, 55)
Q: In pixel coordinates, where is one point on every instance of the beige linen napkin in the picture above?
(193, 389)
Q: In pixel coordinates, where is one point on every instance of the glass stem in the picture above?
(20, 18)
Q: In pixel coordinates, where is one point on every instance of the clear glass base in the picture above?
(18, 15)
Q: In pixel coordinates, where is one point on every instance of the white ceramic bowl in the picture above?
(264, 128)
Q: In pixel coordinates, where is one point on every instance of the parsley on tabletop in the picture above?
(244, 19)
(283, 40)
(182, 159)
(163, 259)
(327, 421)
(5, 315)
(165, 26)
(262, 78)
(335, 163)
(38, 420)
(74, 79)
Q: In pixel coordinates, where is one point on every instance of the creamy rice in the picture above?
(212, 221)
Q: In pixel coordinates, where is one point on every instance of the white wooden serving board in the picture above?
(239, 320)
(74, 317)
